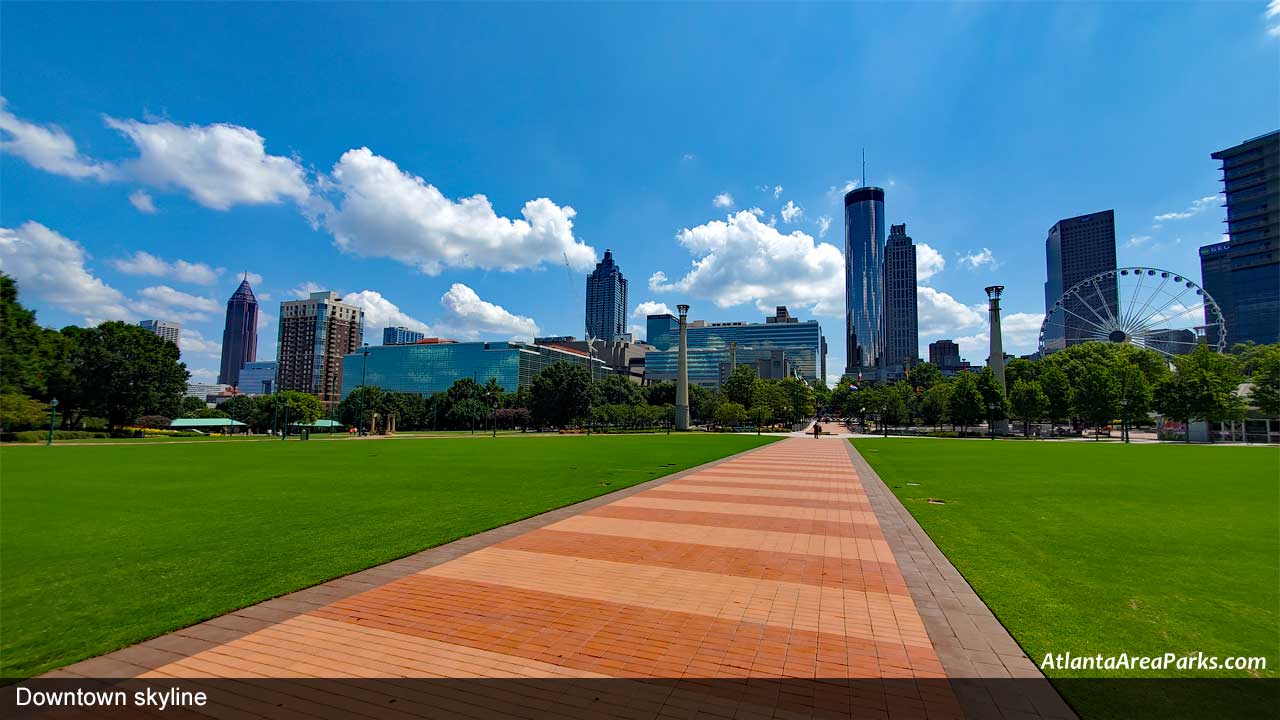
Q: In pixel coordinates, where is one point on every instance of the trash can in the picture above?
(306, 433)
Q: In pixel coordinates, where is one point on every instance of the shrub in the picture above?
(37, 436)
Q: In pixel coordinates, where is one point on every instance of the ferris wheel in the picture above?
(1146, 307)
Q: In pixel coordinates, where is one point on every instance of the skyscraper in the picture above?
(240, 334)
(400, 336)
(166, 329)
(901, 326)
(606, 300)
(314, 335)
(944, 353)
(1078, 248)
(863, 284)
(1242, 275)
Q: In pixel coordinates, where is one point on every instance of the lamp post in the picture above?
(364, 373)
(53, 418)
(1124, 418)
(682, 371)
(991, 420)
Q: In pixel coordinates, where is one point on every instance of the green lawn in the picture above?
(102, 547)
(1109, 548)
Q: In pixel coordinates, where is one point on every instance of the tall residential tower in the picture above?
(901, 325)
(1242, 275)
(606, 301)
(314, 335)
(167, 329)
(863, 284)
(240, 334)
(1078, 248)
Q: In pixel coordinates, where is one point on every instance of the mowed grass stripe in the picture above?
(105, 547)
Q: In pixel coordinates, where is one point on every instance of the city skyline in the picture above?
(685, 206)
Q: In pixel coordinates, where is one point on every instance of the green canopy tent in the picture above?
(226, 425)
(325, 424)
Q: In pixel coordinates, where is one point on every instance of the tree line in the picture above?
(1090, 385)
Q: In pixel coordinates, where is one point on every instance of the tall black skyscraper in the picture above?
(901, 326)
(240, 334)
(606, 300)
(1242, 275)
(863, 281)
(1078, 248)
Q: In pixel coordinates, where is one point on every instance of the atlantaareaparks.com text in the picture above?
(1167, 661)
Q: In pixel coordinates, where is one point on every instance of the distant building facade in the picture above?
(166, 329)
(901, 324)
(606, 300)
(428, 368)
(1076, 249)
(315, 335)
(863, 282)
(239, 334)
(400, 336)
(206, 390)
(620, 357)
(944, 353)
(258, 377)
(711, 344)
(1242, 275)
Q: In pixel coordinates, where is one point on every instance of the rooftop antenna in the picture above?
(864, 167)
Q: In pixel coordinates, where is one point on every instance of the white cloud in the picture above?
(837, 192)
(1137, 240)
(203, 375)
(467, 317)
(824, 224)
(143, 263)
(1195, 208)
(47, 147)
(929, 262)
(380, 313)
(193, 343)
(304, 290)
(164, 302)
(973, 261)
(1273, 9)
(940, 314)
(791, 212)
(637, 332)
(143, 202)
(383, 211)
(1019, 335)
(254, 279)
(744, 260)
(723, 200)
(777, 191)
(220, 165)
(651, 307)
(51, 267)
(688, 157)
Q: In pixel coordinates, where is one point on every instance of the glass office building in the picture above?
(428, 369)
(400, 336)
(901, 323)
(709, 346)
(1077, 249)
(863, 284)
(258, 378)
(606, 301)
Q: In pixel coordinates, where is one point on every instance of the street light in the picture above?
(53, 418)
(1124, 418)
(364, 371)
(991, 419)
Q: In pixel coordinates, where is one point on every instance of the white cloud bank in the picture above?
(467, 317)
(1195, 208)
(47, 147)
(382, 211)
(929, 262)
(791, 212)
(723, 200)
(651, 307)
(379, 313)
(51, 267)
(143, 263)
(973, 261)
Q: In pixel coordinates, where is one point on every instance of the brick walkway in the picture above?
(770, 564)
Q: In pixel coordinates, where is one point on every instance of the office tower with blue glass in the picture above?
(1077, 249)
(1242, 274)
(258, 378)
(713, 346)
(400, 336)
(901, 324)
(167, 329)
(239, 334)
(606, 301)
(863, 282)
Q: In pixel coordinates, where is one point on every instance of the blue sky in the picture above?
(343, 147)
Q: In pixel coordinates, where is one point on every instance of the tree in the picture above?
(965, 406)
(731, 414)
(821, 397)
(1265, 395)
(1202, 387)
(615, 389)
(663, 393)
(799, 395)
(360, 405)
(1057, 392)
(29, 353)
(737, 389)
(1020, 369)
(1134, 393)
(1095, 395)
(994, 402)
(191, 404)
(760, 415)
(467, 412)
(933, 403)
(703, 402)
(767, 394)
(298, 407)
(123, 371)
(19, 412)
(246, 409)
(889, 407)
(924, 376)
(560, 394)
(1028, 403)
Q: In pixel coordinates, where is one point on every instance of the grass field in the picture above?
(1108, 548)
(106, 546)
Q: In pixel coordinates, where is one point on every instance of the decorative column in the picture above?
(996, 360)
(682, 372)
